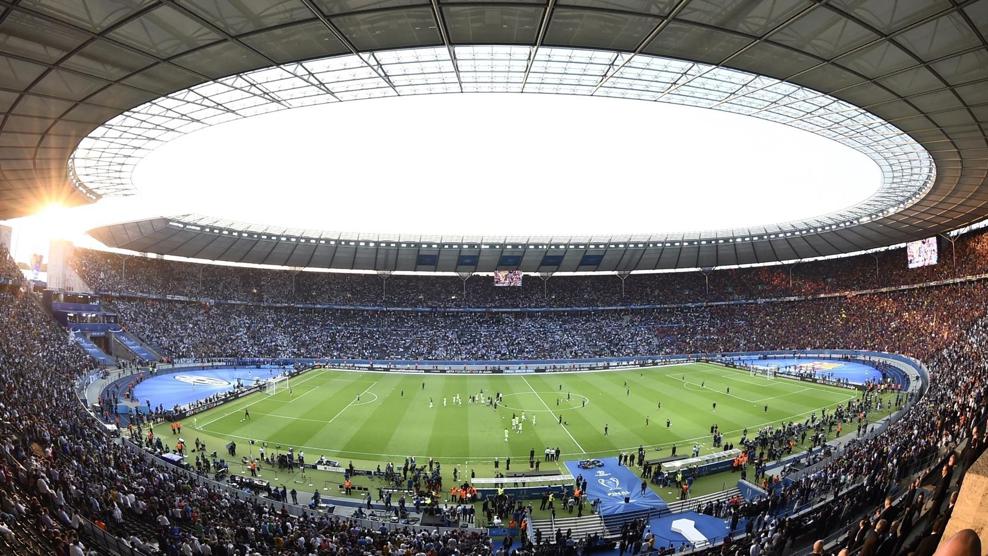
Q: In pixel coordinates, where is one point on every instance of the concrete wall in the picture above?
(61, 276)
(5, 232)
(971, 511)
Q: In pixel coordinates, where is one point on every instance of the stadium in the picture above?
(528, 277)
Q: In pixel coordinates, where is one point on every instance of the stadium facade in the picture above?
(88, 86)
(879, 70)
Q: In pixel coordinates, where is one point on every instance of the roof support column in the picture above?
(953, 252)
(623, 275)
(545, 284)
(384, 275)
(464, 276)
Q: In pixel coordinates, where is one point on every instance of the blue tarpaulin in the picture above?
(184, 387)
(711, 529)
(836, 369)
(611, 484)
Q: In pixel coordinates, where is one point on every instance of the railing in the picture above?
(813, 504)
(94, 535)
(921, 468)
(133, 345)
(93, 326)
(67, 307)
(106, 543)
(553, 365)
(292, 509)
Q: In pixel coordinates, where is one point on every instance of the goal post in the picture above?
(763, 372)
(277, 384)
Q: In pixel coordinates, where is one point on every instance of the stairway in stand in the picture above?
(92, 349)
(578, 527)
(135, 346)
(609, 527)
(696, 504)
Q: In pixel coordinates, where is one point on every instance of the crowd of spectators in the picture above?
(58, 470)
(9, 273)
(122, 274)
(61, 472)
(915, 321)
(36, 370)
(870, 483)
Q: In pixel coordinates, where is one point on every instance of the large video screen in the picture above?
(507, 278)
(922, 252)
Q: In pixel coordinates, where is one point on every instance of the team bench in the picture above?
(657, 463)
(546, 473)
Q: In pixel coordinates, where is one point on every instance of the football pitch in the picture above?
(372, 418)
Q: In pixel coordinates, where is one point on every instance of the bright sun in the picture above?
(54, 221)
(33, 234)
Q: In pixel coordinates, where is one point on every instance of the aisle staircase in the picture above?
(609, 527)
(579, 527)
(696, 504)
(614, 523)
(135, 346)
(93, 350)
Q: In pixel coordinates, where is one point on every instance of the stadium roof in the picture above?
(923, 67)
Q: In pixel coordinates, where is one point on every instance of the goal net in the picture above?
(271, 388)
(763, 372)
(277, 384)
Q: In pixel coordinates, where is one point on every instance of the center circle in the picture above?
(536, 402)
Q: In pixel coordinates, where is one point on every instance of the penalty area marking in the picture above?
(293, 418)
(367, 401)
(800, 391)
(351, 404)
(761, 382)
(259, 400)
(700, 387)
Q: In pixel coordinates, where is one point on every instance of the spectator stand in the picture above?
(945, 326)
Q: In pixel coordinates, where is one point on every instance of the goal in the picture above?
(271, 388)
(764, 372)
(277, 384)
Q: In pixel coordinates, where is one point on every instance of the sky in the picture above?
(487, 164)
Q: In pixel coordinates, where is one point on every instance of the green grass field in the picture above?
(371, 418)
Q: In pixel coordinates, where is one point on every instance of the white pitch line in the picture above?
(805, 387)
(300, 396)
(290, 400)
(291, 418)
(782, 395)
(227, 414)
(811, 386)
(702, 387)
(259, 400)
(375, 400)
(679, 441)
(351, 403)
(718, 374)
(555, 417)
